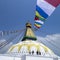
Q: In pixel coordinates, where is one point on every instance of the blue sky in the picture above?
(15, 13)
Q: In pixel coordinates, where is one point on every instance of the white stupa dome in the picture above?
(29, 45)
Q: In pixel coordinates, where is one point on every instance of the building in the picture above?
(30, 49)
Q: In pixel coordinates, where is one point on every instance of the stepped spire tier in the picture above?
(29, 35)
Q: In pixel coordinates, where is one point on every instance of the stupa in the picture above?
(30, 46)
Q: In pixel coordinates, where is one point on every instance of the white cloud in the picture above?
(51, 41)
(2, 40)
(6, 48)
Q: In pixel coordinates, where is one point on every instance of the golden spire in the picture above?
(29, 34)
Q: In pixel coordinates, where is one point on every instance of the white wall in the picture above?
(6, 58)
(37, 58)
(17, 58)
(27, 58)
(9, 58)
